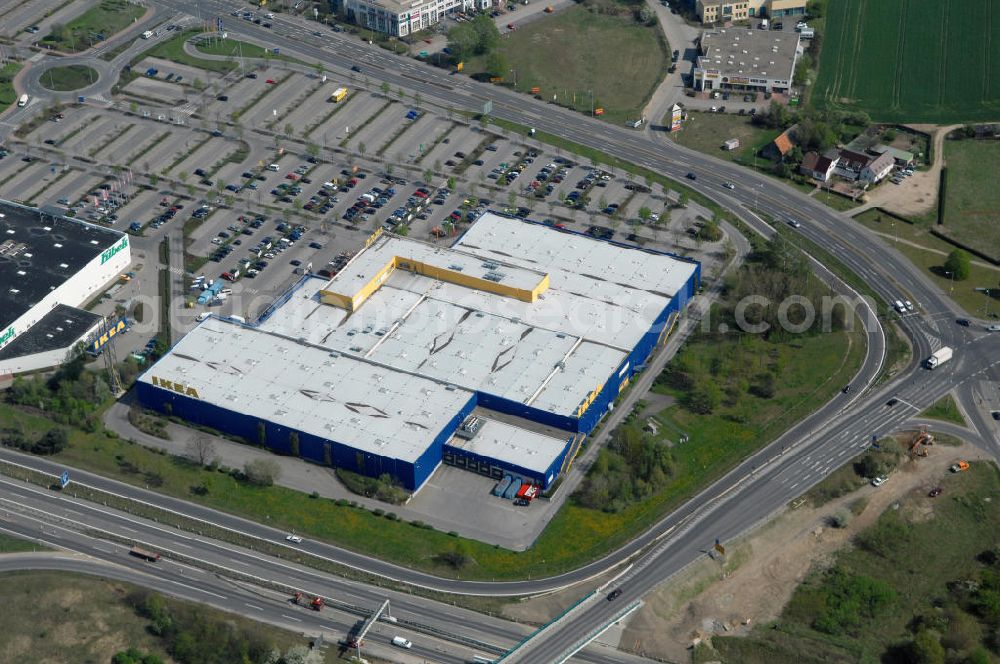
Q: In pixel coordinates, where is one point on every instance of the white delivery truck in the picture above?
(939, 357)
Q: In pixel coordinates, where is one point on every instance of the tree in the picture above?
(201, 449)
(293, 443)
(487, 33)
(958, 265)
(926, 648)
(385, 88)
(53, 441)
(645, 213)
(463, 41)
(312, 149)
(362, 148)
(289, 129)
(496, 64)
(262, 472)
(428, 175)
(451, 183)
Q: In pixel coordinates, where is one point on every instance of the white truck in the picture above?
(939, 357)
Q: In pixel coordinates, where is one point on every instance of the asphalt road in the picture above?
(61, 520)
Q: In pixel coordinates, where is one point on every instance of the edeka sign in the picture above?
(110, 252)
(7, 336)
(176, 387)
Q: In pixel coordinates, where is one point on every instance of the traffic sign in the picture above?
(487, 107)
(64, 479)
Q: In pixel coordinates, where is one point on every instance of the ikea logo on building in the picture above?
(186, 390)
(7, 336)
(110, 252)
(105, 337)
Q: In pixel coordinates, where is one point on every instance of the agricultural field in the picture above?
(912, 60)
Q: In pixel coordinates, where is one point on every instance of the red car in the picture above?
(270, 81)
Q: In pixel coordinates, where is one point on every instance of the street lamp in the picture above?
(591, 102)
(514, 71)
(951, 275)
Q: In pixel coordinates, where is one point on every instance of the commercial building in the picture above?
(49, 266)
(376, 369)
(722, 11)
(746, 60)
(401, 18)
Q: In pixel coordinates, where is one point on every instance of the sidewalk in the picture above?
(680, 37)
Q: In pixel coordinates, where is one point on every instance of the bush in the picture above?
(262, 472)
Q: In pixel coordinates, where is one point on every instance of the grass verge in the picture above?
(70, 77)
(95, 25)
(7, 73)
(929, 253)
(11, 544)
(945, 409)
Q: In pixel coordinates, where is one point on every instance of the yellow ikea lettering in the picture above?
(180, 388)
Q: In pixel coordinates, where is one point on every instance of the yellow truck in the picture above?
(338, 94)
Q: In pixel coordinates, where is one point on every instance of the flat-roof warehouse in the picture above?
(516, 317)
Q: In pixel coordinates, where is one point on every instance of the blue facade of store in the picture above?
(277, 438)
(494, 469)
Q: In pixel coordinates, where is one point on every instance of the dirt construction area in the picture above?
(760, 573)
(756, 580)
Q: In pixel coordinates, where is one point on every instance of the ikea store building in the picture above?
(382, 368)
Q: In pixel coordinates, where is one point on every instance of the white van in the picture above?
(273, 167)
(147, 34)
(23, 101)
(400, 642)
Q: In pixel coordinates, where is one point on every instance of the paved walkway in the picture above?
(681, 37)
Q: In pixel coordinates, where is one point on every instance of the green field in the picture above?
(620, 60)
(95, 25)
(706, 132)
(71, 77)
(912, 60)
(63, 617)
(926, 570)
(972, 201)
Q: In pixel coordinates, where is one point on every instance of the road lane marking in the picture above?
(253, 607)
(285, 615)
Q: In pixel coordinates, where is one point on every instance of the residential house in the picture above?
(850, 164)
(819, 166)
(782, 144)
(877, 168)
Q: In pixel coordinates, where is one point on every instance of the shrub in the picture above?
(262, 472)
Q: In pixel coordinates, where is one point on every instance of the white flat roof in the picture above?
(575, 262)
(361, 404)
(513, 445)
(366, 264)
(549, 354)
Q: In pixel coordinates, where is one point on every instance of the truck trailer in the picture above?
(939, 357)
(149, 556)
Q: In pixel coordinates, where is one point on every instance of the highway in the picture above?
(760, 485)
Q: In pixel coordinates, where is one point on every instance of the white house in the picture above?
(878, 168)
